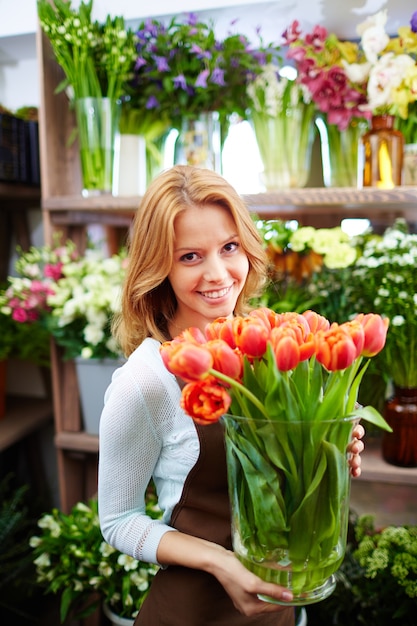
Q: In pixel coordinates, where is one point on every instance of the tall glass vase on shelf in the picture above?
(383, 148)
(340, 152)
(199, 142)
(285, 143)
(97, 123)
(400, 446)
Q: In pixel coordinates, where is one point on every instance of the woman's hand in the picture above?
(243, 587)
(354, 449)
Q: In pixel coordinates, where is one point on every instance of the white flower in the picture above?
(373, 36)
(385, 76)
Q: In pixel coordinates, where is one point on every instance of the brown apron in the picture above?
(180, 596)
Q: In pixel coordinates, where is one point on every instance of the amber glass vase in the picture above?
(383, 153)
(400, 446)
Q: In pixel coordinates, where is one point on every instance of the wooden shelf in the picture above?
(79, 441)
(23, 417)
(375, 469)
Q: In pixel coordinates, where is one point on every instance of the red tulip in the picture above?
(225, 360)
(375, 328)
(335, 348)
(355, 329)
(205, 401)
(251, 336)
(286, 350)
(267, 316)
(189, 361)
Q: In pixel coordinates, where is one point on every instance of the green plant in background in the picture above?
(73, 560)
(377, 582)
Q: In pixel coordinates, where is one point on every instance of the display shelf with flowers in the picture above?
(308, 268)
(320, 59)
(286, 387)
(387, 65)
(73, 560)
(97, 60)
(282, 115)
(384, 278)
(185, 72)
(72, 296)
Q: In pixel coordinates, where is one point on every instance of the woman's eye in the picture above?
(231, 246)
(189, 257)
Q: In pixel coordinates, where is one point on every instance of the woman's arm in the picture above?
(177, 548)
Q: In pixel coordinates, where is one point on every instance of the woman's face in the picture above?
(209, 267)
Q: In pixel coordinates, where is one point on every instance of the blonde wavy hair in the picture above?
(148, 301)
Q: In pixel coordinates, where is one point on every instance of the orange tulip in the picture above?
(205, 401)
(335, 348)
(221, 328)
(316, 321)
(375, 328)
(251, 336)
(357, 334)
(189, 361)
(267, 316)
(225, 360)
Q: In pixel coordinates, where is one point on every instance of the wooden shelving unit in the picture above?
(67, 211)
(23, 417)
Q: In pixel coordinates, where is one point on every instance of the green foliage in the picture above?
(73, 560)
(377, 581)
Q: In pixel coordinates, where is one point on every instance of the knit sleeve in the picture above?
(138, 413)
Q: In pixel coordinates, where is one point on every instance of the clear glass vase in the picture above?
(97, 123)
(289, 485)
(199, 142)
(340, 152)
(285, 143)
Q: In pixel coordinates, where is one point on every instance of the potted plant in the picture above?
(377, 581)
(73, 298)
(73, 560)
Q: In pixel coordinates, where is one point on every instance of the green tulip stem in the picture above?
(241, 389)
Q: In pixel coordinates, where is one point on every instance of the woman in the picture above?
(195, 255)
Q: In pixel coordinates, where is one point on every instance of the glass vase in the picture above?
(289, 485)
(285, 143)
(199, 142)
(383, 153)
(400, 446)
(97, 123)
(410, 164)
(340, 152)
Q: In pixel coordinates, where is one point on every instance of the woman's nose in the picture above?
(215, 270)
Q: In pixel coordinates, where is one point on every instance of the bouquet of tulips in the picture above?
(286, 385)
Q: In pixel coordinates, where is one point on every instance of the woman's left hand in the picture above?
(354, 449)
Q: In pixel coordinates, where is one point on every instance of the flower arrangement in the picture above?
(320, 58)
(387, 66)
(183, 69)
(70, 296)
(72, 558)
(283, 379)
(299, 258)
(384, 278)
(282, 115)
(97, 59)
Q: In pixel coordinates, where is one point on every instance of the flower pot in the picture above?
(289, 486)
(383, 154)
(400, 446)
(115, 619)
(94, 376)
(97, 122)
(199, 142)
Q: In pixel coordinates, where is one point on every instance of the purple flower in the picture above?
(161, 64)
(192, 19)
(152, 103)
(413, 22)
(217, 77)
(201, 80)
(140, 62)
(180, 82)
